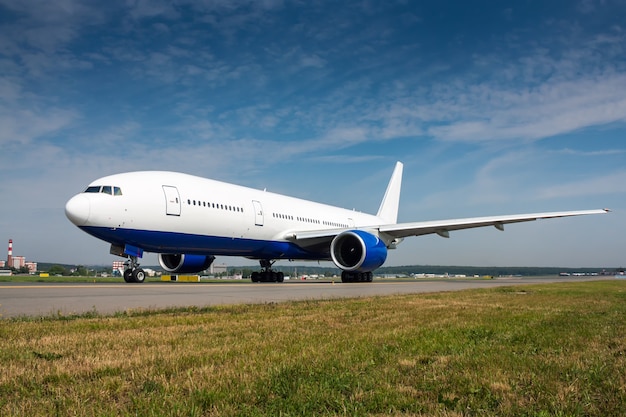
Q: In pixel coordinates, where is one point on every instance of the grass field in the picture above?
(541, 350)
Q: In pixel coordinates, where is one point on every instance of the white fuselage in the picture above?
(169, 212)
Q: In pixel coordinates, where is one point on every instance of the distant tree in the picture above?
(57, 270)
(81, 271)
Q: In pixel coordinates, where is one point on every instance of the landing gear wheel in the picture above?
(356, 276)
(266, 274)
(139, 275)
(133, 273)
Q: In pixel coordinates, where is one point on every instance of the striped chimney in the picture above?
(10, 256)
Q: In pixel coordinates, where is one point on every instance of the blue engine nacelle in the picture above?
(358, 251)
(185, 264)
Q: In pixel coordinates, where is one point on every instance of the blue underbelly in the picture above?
(170, 242)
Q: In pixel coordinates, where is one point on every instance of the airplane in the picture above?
(188, 220)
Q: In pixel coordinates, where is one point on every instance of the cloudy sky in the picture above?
(495, 107)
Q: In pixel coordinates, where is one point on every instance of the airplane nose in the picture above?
(77, 210)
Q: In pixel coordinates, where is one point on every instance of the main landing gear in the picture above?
(132, 272)
(266, 274)
(356, 276)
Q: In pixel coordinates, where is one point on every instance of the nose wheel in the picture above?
(133, 273)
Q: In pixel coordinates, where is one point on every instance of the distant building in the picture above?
(118, 268)
(218, 269)
(32, 267)
(18, 261)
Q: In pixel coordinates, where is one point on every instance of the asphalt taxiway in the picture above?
(45, 299)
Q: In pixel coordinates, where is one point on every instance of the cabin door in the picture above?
(258, 213)
(172, 200)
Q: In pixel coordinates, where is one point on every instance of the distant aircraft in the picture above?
(189, 220)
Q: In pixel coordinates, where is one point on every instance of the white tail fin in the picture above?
(388, 210)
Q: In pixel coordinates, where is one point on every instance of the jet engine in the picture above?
(185, 264)
(358, 251)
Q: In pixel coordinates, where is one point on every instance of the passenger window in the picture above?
(93, 189)
(107, 190)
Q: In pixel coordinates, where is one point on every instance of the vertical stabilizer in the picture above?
(388, 210)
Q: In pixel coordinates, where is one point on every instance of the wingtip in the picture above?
(607, 210)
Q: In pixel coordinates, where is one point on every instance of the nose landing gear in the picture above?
(132, 272)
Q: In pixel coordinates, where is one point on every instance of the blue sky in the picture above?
(495, 107)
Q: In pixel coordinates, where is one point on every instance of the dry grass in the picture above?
(555, 349)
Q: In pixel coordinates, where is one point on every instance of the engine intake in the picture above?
(185, 264)
(356, 250)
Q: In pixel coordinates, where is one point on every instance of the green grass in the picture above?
(541, 350)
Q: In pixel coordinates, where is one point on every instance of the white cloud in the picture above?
(608, 184)
(10, 89)
(495, 113)
(22, 125)
(312, 61)
(141, 9)
(604, 152)
(47, 26)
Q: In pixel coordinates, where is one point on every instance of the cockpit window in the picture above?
(105, 189)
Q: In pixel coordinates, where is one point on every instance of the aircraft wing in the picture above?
(443, 227)
(440, 227)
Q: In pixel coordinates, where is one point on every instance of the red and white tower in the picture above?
(10, 256)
